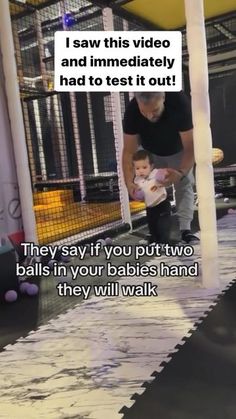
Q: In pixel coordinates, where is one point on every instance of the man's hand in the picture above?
(171, 176)
(132, 189)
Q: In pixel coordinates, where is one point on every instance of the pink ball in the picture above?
(10, 296)
(139, 195)
(32, 289)
(23, 287)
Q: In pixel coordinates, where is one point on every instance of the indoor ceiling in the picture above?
(170, 14)
(220, 18)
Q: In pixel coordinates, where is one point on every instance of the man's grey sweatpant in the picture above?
(184, 195)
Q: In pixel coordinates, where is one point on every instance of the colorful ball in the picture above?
(139, 195)
(68, 19)
(23, 287)
(217, 155)
(32, 289)
(10, 296)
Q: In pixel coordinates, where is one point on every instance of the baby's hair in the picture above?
(142, 155)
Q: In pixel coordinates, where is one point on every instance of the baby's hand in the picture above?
(161, 175)
(173, 176)
(132, 189)
(139, 195)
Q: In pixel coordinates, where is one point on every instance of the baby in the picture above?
(154, 194)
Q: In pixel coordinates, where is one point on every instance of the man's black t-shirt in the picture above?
(161, 137)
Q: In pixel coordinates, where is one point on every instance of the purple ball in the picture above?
(23, 287)
(161, 175)
(32, 289)
(139, 195)
(10, 296)
(68, 19)
(108, 241)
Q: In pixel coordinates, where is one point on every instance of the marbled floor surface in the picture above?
(88, 362)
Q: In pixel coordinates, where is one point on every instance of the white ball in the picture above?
(226, 200)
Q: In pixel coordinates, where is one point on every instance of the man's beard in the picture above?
(157, 117)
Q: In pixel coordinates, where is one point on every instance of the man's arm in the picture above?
(187, 162)
(188, 151)
(130, 147)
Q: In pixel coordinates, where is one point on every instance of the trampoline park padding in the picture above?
(199, 381)
(78, 322)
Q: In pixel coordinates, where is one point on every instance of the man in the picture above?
(162, 124)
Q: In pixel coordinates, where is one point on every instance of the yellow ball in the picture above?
(217, 155)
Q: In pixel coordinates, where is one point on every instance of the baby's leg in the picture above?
(161, 222)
